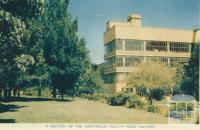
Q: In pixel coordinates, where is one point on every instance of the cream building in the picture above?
(128, 43)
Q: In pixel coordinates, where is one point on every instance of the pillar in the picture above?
(123, 45)
(168, 47)
(124, 62)
(144, 45)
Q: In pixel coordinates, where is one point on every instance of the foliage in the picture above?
(95, 97)
(190, 82)
(33, 91)
(135, 102)
(117, 99)
(65, 54)
(153, 108)
(151, 75)
(89, 82)
(157, 93)
(127, 99)
(13, 21)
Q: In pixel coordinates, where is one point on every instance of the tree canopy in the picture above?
(152, 75)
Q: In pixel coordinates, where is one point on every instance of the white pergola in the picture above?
(187, 116)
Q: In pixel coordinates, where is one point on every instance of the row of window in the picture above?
(138, 45)
(130, 61)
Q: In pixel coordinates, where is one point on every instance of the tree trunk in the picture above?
(149, 98)
(9, 92)
(54, 93)
(18, 93)
(14, 92)
(73, 93)
(62, 95)
(5, 92)
(1, 92)
(39, 91)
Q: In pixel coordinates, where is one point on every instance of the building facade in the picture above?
(128, 43)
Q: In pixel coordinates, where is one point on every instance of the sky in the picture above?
(92, 16)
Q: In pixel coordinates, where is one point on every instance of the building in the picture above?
(128, 43)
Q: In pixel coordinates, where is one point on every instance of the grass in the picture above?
(77, 111)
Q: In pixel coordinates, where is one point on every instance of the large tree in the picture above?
(151, 75)
(190, 82)
(89, 82)
(13, 18)
(65, 54)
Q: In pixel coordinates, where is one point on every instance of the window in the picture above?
(158, 59)
(175, 61)
(109, 63)
(119, 61)
(156, 46)
(110, 47)
(109, 78)
(134, 45)
(119, 44)
(133, 60)
(179, 47)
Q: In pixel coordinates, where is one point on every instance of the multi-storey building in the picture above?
(128, 43)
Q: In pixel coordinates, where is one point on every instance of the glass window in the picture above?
(109, 78)
(110, 47)
(119, 44)
(179, 47)
(134, 45)
(158, 59)
(156, 46)
(133, 60)
(109, 63)
(174, 61)
(119, 61)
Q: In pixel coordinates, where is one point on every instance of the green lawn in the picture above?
(77, 111)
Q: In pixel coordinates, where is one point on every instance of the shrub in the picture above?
(141, 91)
(163, 111)
(117, 99)
(153, 108)
(94, 97)
(157, 94)
(135, 102)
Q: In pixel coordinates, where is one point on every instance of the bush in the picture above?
(117, 99)
(157, 94)
(94, 97)
(163, 111)
(135, 102)
(33, 91)
(153, 108)
(141, 91)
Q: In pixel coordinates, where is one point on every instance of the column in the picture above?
(124, 61)
(123, 45)
(144, 45)
(168, 47)
(145, 59)
(168, 61)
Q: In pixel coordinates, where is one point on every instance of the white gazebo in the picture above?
(182, 109)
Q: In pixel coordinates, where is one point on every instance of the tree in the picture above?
(37, 74)
(178, 79)
(190, 82)
(64, 52)
(13, 18)
(151, 75)
(89, 82)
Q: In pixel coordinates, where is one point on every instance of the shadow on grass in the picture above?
(9, 107)
(30, 99)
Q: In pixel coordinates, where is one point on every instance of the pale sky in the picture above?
(93, 14)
